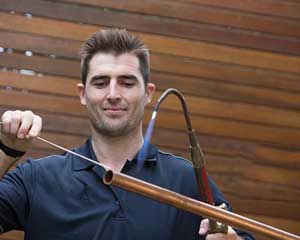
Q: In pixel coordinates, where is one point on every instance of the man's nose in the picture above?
(113, 92)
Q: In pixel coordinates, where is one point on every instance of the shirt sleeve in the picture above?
(15, 197)
(219, 199)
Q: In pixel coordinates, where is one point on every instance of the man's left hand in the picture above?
(204, 227)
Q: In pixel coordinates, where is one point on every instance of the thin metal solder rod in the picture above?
(69, 151)
(73, 153)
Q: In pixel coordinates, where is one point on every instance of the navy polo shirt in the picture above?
(63, 197)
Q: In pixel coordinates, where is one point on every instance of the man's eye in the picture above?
(128, 83)
(100, 84)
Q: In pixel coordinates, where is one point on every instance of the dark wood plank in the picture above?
(54, 104)
(40, 64)
(41, 84)
(288, 9)
(54, 47)
(285, 224)
(205, 14)
(166, 45)
(260, 207)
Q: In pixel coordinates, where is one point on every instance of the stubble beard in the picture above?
(106, 128)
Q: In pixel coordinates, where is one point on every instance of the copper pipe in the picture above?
(188, 204)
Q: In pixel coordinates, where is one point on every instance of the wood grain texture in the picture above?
(208, 14)
(166, 24)
(237, 63)
(161, 44)
(289, 9)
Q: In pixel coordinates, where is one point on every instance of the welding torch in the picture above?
(197, 157)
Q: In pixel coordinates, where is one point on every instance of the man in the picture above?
(63, 197)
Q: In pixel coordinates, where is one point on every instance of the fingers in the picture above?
(204, 227)
(21, 123)
(6, 119)
(36, 126)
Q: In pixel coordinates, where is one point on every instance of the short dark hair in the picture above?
(115, 41)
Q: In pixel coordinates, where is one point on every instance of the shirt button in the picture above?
(117, 202)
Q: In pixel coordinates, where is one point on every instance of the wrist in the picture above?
(10, 151)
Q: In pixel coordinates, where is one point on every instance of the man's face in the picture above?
(115, 94)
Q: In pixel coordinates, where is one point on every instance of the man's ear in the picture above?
(81, 92)
(150, 90)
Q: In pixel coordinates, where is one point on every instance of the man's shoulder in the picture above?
(48, 164)
(174, 161)
(57, 160)
(180, 172)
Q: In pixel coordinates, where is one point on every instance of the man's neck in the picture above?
(114, 151)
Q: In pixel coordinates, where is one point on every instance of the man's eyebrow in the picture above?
(97, 77)
(128, 76)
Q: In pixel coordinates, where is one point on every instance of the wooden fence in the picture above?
(237, 63)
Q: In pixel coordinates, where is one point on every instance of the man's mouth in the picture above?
(114, 109)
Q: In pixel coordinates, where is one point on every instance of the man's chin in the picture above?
(112, 130)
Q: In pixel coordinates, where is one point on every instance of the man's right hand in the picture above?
(19, 128)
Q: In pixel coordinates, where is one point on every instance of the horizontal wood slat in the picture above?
(289, 9)
(166, 45)
(43, 84)
(292, 226)
(57, 47)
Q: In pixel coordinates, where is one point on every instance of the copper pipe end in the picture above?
(108, 177)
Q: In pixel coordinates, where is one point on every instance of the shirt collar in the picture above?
(87, 150)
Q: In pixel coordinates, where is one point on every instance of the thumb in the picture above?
(204, 226)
